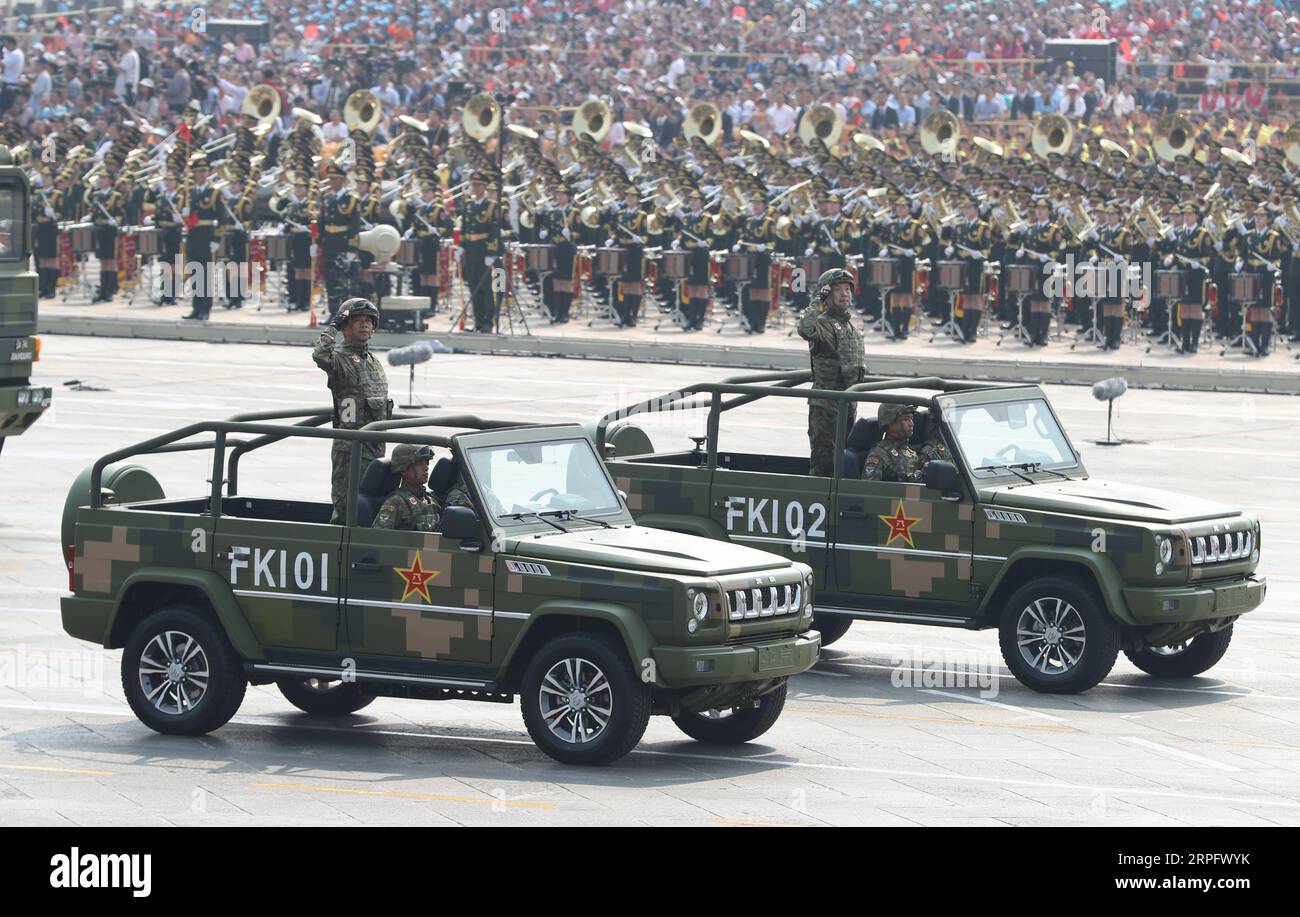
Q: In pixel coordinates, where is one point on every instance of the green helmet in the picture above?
(407, 454)
(355, 306)
(830, 278)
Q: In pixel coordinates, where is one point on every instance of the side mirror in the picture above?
(941, 476)
(459, 522)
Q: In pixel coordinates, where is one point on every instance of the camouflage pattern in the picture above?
(900, 549)
(893, 460)
(20, 406)
(359, 386)
(409, 509)
(835, 351)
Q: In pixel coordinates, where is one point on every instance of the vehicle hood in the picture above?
(640, 548)
(1106, 498)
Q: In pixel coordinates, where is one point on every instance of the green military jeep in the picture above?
(545, 588)
(1011, 533)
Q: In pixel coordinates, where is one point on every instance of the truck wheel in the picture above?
(1183, 660)
(324, 698)
(582, 701)
(831, 628)
(733, 725)
(180, 674)
(1057, 636)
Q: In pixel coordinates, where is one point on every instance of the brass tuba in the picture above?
(481, 117)
(821, 122)
(1174, 137)
(593, 119)
(940, 132)
(362, 111)
(262, 102)
(1053, 135)
(704, 122)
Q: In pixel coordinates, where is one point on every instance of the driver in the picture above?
(934, 448)
(893, 458)
(410, 508)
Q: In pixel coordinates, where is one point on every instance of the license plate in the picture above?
(775, 657)
(1231, 597)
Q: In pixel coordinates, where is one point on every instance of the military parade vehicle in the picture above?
(21, 404)
(1012, 533)
(542, 586)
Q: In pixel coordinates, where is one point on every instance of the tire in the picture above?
(736, 725)
(1201, 653)
(1071, 643)
(324, 698)
(584, 661)
(831, 628)
(190, 706)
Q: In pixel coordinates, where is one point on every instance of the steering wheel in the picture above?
(1007, 453)
(541, 493)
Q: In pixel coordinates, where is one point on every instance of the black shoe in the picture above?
(195, 317)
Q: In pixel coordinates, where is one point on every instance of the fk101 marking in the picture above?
(792, 523)
(271, 567)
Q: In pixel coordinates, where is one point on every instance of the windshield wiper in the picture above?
(555, 525)
(1010, 468)
(573, 514)
(1038, 466)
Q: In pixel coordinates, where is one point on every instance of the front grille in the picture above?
(1221, 547)
(764, 602)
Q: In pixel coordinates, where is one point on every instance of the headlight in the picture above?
(1166, 549)
(701, 607)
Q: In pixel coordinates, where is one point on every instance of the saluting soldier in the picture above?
(359, 387)
(835, 352)
(45, 237)
(758, 238)
(411, 507)
(894, 458)
(340, 223)
(969, 241)
(203, 216)
(481, 247)
(428, 223)
(105, 213)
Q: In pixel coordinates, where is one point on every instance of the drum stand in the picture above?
(1242, 340)
(950, 326)
(1017, 330)
(604, 308)
(882, 324)
(677, 316)
(1094, 335)
(742, 321)
(1167, 336)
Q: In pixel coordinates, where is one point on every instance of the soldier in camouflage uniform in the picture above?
(410, 508)
(934, 448)
(893, 458)
(835, 349)
(360, 388)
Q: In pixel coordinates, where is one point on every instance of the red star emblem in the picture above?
(417, 580)
(900, 525)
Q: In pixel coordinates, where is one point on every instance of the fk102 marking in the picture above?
(272, 567)
(768, 519)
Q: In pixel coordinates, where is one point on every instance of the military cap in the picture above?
(408, 454)
(888, 413)
(356, 306)
(336, 171)
(480, 177)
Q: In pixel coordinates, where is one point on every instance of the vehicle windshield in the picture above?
(563, 476)
(1010, 433)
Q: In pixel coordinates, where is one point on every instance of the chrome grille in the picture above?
(1221, 547)
(764, 602)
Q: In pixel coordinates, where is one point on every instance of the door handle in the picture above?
(853, 511)
(366, 565)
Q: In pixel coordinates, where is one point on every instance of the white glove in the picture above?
(409, 234)
(1169, 259)
(543, 234)
(1092, 259)
(112, 222)
(808, 252)
(1218, 246)
(1239, 265)
(49, 212)
(677, 244)
(910, 252)
(213, 247)
(1151, 241)
(315, 250)
(609, 243)
(949, 251)
(185, 211)
(567, 234)
(736, 247)
(1020, 253)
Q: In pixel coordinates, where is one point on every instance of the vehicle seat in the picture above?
(864, 435)
(377, 482)
(443, 477)
(920, 427)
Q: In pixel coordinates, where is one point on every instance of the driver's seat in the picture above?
(377, 482)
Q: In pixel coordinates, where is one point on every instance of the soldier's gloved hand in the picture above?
(567, 234)
(1092, 259)
(735, 248)
(910, 252)
(1239, 265)
(949, 251)
(315, 250)
(214, 247)
(807, 252)
(336, 321)
(489, 261)
(677, 244)
(410, 233)
(1151, 241)
(112, 222)
(1169, 259)
(49, 212)
(1218, 246)
(543, 234)
(609, 243)
(1020, 253)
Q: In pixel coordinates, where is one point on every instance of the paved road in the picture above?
(898, 724)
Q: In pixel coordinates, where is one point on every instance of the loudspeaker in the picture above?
(1086, 54)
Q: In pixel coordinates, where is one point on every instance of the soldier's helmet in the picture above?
(830, 278)
(888, 413)
(407, 454)
(357, 306)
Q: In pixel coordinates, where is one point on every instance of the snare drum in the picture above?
(884, 272)
(537, 258)
(1021, 278)
(675, 265)
(1169, 285)
(739, 267)
(950, 275)
(408, 254)
(812, 270)
(83, 238)
(1245, 288)
(277, 247)
(148, 242)
(610, 261)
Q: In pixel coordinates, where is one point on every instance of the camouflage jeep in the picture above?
(1010, 533)
(542, 586)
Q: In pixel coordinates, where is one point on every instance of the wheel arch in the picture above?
(556, 617)
(1092, 568)
(151, 588)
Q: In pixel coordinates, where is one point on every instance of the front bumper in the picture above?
(686, 667)
(1195, 603)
